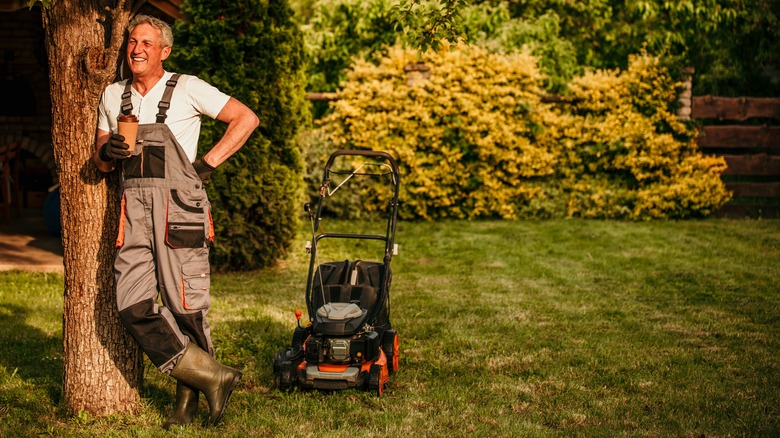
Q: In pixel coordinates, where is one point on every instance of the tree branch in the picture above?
(101, 63)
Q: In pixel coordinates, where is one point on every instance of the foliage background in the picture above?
(732, 44)
(253, 51)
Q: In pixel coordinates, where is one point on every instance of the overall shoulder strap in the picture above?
(165, 102)
(127, 104)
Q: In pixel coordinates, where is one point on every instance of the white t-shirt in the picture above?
(191, 98)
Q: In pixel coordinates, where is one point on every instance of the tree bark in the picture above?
(103, 366)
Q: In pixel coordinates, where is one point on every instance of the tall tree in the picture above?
(102, 364)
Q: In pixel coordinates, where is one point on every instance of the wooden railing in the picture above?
(745, 132)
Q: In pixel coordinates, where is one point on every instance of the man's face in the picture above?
(145, 52)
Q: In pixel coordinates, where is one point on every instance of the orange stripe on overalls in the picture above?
(120, 238)
(183, 296)
(211, 228)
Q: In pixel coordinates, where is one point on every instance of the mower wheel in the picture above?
(375, 383)
(392, 350)
(277, 364)
(286, 376)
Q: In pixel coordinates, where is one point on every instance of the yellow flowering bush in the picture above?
(464, 129)
(474, 139)
(624, 154)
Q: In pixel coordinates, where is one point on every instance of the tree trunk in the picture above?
(102, 363)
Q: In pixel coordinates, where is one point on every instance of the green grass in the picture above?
(540, 328)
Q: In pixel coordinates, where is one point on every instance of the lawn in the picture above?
(531, 328)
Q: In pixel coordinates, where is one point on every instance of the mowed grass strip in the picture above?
(533, 328)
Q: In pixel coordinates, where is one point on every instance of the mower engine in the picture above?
(337, 362)
(339, 350)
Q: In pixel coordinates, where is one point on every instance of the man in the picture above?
(165, 227)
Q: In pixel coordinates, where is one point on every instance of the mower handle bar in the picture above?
(388, 239)
(364, 153)
(351, 236)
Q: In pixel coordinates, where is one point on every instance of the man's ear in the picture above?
(165, 52)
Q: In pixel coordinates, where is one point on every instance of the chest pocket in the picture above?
(150, 163)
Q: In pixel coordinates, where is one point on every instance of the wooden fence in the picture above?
(744, 131)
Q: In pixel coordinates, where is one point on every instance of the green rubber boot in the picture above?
(198, 369)
(186, 406)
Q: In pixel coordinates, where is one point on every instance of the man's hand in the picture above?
(203, 169)
(114, 149)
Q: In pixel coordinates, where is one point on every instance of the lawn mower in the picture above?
(348, 341)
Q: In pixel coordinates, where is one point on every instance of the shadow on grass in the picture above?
(251, 347)
(158, 390)
(32, 383)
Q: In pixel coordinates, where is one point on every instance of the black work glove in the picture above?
(203, 170)
(114, 149)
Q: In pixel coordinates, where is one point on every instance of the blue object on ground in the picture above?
(51, 212)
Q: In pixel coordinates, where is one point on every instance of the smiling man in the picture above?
(165, 230)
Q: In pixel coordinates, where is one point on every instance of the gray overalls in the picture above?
(163, 244)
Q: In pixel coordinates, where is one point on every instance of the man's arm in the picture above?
(101, 137)
(241, 122)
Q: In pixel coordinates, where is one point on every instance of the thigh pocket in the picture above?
(187, 219)
(195, 283)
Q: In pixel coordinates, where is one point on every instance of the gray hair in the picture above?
(163, 27)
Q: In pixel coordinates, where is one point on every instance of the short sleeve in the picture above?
(205, 98)
(102, 123)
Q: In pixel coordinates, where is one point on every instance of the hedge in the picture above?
(475, 140)
(252, 50)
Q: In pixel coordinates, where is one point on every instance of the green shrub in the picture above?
(731, 44)
(252, 50)
(338, 30)
(473, 138)
(493, 27)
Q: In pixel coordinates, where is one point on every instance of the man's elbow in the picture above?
(254, 120)
(247, 120)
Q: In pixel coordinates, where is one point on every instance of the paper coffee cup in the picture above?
(128, 128)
